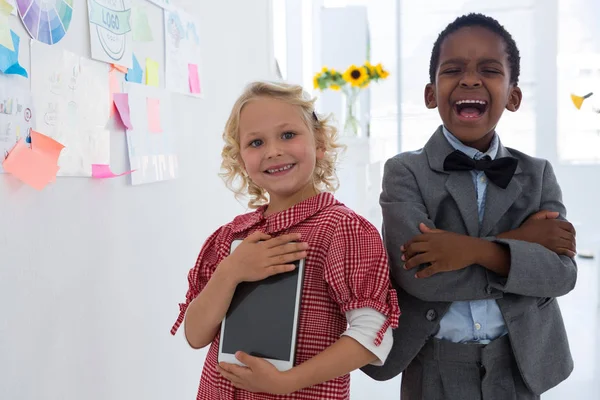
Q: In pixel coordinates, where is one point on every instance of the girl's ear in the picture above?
(320, 153)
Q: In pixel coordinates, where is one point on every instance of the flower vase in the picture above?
(350, 111)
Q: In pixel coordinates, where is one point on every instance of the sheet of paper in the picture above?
(142, 31)
(102, 171)
(182, 48)
(9, 59)
(194, 79)
(153, 106)
(110, 31)
(17, 116)
(136, 73)
(46, 146)
(151, 72)
(161, 3)
(152, 156)
(122, 104)
(71, 95)
(33, 169)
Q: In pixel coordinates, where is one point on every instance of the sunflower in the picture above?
(323, 70)
(370, 68)
(356, 76)
(381, 72)
(316, 81)
(335, 87)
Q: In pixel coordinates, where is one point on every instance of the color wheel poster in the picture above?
(110, 31)
(46, 20)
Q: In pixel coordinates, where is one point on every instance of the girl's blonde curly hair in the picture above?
(234, 175)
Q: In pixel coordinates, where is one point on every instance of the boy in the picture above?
(477, 238)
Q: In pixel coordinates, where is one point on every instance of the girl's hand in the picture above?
(260, 256)
(259, 376)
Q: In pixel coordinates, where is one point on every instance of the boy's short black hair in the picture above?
(483, 21)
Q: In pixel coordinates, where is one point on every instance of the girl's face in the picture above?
(278, 151)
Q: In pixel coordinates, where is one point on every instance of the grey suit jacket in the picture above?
(417, 189)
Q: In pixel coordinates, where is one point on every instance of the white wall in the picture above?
(91, 271)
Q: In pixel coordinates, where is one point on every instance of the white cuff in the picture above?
(365, 323)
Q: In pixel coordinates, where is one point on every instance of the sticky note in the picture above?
(151, 72)
(153, 107)
(194, 78)
(30, 167)
(9, 59)
(114, 87)
(119, 68)
(102, 171)
(122, 104)
(46, 146)
(142, 32)
(6, 8)
(5, 36)
(136, 73)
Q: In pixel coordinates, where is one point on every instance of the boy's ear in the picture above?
(430, 101)
(514, 99)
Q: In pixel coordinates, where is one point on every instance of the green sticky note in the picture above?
(151, 72)
(142, 32)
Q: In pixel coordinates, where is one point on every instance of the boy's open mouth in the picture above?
(470, 108)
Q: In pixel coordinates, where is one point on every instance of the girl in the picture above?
(283, 156)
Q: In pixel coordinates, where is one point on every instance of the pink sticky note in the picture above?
(45, 145)
(122, 104)
(153, 107)
(194, 78)
(114, 87)
(102, 171)
(32, 168)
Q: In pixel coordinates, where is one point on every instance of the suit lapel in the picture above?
(503, 199)
(462, 189)
(459, 184)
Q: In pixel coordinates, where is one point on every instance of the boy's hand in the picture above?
(445, 251)
(259, 376)
(544, 229)
(260, 256)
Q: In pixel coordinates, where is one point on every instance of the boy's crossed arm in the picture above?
(475, 268)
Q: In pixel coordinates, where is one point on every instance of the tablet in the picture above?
(262, 319)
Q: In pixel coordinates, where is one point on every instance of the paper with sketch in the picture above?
(17, 117)
(110, 31)
(152, 155)
(71, 95)
(182, 49)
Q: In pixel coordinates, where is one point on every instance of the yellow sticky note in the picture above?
(151, 72)
(5, 36)
(5, 7)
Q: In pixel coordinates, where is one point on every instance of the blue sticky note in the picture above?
(135, 75)
(9, 59)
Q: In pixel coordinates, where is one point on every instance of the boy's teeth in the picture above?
(271, 171)
(471, 102)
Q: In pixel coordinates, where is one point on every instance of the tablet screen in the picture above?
(260, 320)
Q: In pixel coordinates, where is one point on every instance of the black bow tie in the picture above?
(499, 171)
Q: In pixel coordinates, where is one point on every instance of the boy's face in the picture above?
(472, 85)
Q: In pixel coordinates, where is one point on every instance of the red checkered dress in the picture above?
(346, 268)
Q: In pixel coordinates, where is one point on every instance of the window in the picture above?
(578, 73)
(420, 23)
